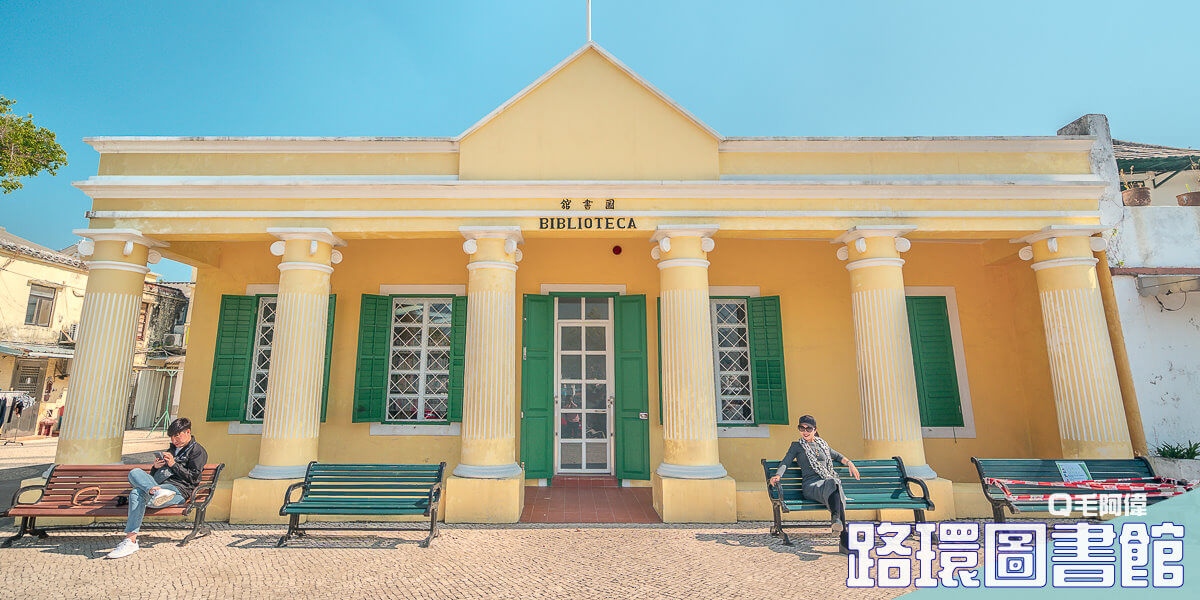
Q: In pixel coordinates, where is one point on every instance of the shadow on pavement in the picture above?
(802, 548)
(320, 540)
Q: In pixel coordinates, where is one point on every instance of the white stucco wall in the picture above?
(1156, 236)
(1164, 356)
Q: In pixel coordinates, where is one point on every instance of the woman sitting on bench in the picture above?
(820, 483)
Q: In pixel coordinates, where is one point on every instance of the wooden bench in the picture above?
(884, 485)
(91, 491)
(364, 489)
(1032, 469)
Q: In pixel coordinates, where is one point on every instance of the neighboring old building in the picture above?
(1155, 260)
(591, 280)
(41, 296)
(41, 293)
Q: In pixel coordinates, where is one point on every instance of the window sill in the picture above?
(967, 432)
(416, 429)
(237, 428)
(743, 431)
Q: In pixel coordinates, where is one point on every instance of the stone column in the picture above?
(93, 423)
(886, 380)
(690, 485)
(1087, 394)
(292, 418)
(488, 484)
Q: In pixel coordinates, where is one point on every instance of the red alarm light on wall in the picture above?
(617, 250)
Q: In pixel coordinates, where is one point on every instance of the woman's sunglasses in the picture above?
(807, 428)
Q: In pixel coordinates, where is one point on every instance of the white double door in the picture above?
(583, 378)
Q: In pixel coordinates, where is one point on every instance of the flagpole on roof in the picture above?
(589, 19)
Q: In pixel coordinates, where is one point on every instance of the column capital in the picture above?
(318, 234)
(87, 247)
(859, 234)
(663, 234)
(511, 234)
(1045, 245)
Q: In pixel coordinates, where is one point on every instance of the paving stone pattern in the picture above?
(467, 561)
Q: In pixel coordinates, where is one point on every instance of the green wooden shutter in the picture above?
(933, 361)
(371, 368)
(458, 357)
(328, 355)
(658, 306)
(632, 394)
(537, 386)
(232, 357)
(768, 384)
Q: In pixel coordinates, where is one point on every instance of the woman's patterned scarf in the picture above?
(817, 452)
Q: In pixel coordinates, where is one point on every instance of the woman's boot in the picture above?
(844, 542)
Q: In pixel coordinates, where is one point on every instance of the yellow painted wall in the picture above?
(136, 163)
(589, 121)
(884, 163)
(1000, 320)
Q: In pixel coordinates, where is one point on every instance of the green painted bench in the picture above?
(884, 485)
(1032, 469)
(364, 489)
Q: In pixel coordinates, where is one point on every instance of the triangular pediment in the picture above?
(589, 118)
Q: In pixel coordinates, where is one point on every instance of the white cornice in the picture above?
(1057, 231)
(119, 235)
(352, 186)
(270, 145)
(1054, 143)
(326, 215)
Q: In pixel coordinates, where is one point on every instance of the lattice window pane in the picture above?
(419, 383)
(264, 335)
(732, 357)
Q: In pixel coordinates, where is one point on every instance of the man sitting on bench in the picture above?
(175, 474)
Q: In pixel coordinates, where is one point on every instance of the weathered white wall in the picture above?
(1156, 236)
(1164, 356)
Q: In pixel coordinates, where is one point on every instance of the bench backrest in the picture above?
(113, 480)
(1030, 469)
(353, 482)
(879, 476)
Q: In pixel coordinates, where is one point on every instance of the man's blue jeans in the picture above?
(140, 495)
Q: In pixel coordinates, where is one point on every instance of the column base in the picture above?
(679, 500)
(285, 472)
(1079, 449)
(257, 501)
(477, 500)
(488, 471)
(666, 469)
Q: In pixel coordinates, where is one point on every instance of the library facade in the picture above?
(590, 280)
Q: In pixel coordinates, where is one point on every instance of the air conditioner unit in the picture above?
(173, 340)
(67, 334)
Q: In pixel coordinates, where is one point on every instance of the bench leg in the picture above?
(21, 529)
(775, 529)
(779, 527)
(433, 527)
(196, 528)
(998, 513)
(41, 533)
(293, 522)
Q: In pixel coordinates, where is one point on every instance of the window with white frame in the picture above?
(41, 305)
(731, 357)
(264, 333)
(419, 373)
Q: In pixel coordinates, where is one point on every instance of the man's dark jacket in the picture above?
(189, 463)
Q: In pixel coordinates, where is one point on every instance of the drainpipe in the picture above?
(1133, 416)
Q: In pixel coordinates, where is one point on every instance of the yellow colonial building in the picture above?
(592, 280)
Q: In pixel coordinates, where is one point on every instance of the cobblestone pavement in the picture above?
(467, 561)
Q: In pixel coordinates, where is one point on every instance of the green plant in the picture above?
(1128, 182)
(1191, 450)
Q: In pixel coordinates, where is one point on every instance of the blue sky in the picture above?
(422, 68)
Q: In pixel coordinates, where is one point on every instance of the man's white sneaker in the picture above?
(161, 497)
(125, 548)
